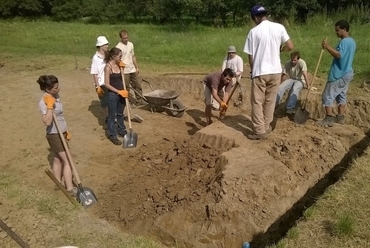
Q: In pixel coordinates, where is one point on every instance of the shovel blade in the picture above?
(301, 116)
(130, 140)
(86, 197)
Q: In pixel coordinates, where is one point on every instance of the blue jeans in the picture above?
(337, 90)
(116, 104)
(293, 97)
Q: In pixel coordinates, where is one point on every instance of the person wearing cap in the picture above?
(235, 63)
(97, 71)
(131, 71)
(296, 70)
(214, 84)
(263, 45)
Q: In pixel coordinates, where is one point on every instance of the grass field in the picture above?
(171, 47)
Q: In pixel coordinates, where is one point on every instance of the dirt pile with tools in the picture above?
(185, 183)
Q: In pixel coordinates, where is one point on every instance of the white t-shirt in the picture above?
(263, 43)
(97, 67)
(236, 64)
(127, 53)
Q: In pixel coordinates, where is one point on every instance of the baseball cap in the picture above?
(257, 9)
(101, 41)
(231, 49)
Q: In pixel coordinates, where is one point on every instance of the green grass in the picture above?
(341, 217)
(345, 225)
(172, 46)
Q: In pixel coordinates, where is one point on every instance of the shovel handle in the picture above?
(69, 156)
(61, 187)
(313, 78)
(128, 108)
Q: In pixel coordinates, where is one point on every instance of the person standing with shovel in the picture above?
(340, 74)
(50, 103)
(116, 95)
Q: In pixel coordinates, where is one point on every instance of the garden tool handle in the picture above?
(69, 156)
(313, 78)
(126, 99)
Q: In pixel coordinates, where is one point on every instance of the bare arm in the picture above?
(250, 58)
(215, 96)
(288, 46)
(96, 80)
(47, 118)
(135, 63)
(331, 50)
(305, 75)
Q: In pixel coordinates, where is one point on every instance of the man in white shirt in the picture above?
(97, 71)
(131, 70)
(296, 70)
(263, 46)
(235, 63)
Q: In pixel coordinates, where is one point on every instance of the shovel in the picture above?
(85, 195)
(223, 111)
(302, 115)
(130, 139)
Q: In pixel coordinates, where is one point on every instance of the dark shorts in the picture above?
(55, 142)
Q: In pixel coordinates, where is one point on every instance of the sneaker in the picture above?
(290, 111)
(116, 141)
(255, 136)
(327, 121)
(122, 134)
(339, 119)
(73, 191)
(209, 123)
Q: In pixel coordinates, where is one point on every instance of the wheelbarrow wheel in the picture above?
(176, 104)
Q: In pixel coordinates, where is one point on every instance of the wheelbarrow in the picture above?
(159, 100)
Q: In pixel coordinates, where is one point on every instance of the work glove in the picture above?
(100, 91)
(223, 105)
(49, 101)
(121, 64)
(68, 135)
(123, 93)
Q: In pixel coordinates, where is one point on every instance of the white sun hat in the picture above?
(101, 41)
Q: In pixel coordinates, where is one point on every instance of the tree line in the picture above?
(211, 12)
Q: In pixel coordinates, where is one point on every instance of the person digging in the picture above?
(213, 87)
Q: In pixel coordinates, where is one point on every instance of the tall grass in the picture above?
(174, 45)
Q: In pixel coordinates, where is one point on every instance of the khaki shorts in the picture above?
(55, 142)
(208, 95)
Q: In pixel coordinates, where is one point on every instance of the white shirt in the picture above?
(236, 64)
(127, 53)
(97, 67)
(263, 43)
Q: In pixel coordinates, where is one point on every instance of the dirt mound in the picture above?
(163, 177)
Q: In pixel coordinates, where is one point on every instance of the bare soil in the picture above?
(185, 184)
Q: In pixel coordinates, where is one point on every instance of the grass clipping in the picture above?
(340, 218)
(33, 214)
